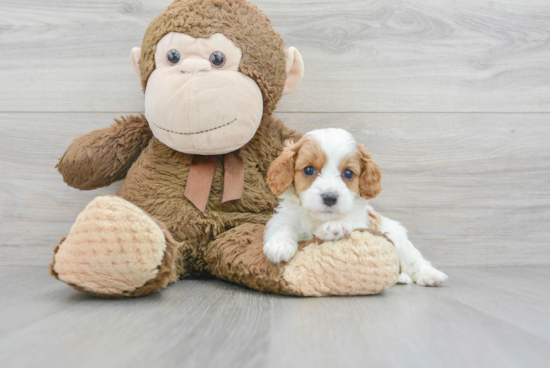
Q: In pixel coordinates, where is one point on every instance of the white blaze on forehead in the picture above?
(337, 144)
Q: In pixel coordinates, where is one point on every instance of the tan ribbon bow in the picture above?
(201, 174)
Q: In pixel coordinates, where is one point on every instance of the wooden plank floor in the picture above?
(482, 318)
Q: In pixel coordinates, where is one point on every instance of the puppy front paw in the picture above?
(430, 276)
(333, 230)
(280, 248)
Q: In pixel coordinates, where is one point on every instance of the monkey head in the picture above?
(211, 70)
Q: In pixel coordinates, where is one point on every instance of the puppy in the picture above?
(325, 181)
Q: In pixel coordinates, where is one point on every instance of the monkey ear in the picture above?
(281, 172)
(294, 70)
(371, 177)
(135, 55)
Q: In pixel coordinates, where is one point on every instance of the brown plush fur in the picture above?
(104, 156)
(156, 183)
(225, 240)
(237, 256)
(156, 180)
(242, 22)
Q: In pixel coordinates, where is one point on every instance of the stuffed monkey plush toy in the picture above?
(194, 201)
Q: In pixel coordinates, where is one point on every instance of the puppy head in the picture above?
(327, 169)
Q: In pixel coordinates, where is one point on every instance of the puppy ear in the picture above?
(370, 181)
(281, 172)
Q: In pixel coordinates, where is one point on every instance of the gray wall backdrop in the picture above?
(451, 97)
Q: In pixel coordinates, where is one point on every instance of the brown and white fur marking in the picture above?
(324, 182)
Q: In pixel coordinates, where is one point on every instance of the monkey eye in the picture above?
(173, 56)
(217, 59)
(309, 171)
(348, 174)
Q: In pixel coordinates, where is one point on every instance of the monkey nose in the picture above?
(194, 65)
(329, 199)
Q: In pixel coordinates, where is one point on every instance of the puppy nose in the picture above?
(329, 199)
(194, 65)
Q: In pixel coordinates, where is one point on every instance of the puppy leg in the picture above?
(280, 239)
(412, 263)
(282, 246)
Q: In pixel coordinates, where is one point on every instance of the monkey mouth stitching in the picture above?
(194, 133)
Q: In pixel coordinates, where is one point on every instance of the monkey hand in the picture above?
(101, 157)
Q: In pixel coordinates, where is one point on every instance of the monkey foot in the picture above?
(362, 263)
(114, 249)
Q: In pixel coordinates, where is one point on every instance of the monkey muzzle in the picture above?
(206, 112)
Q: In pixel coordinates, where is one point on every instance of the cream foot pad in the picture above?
(113, 247)
(359, 264)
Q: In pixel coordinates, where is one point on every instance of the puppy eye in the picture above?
(309, 171)
(173, 56)
(348, 174)
(217, 59)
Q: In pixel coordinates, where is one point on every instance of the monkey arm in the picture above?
(104, 156)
